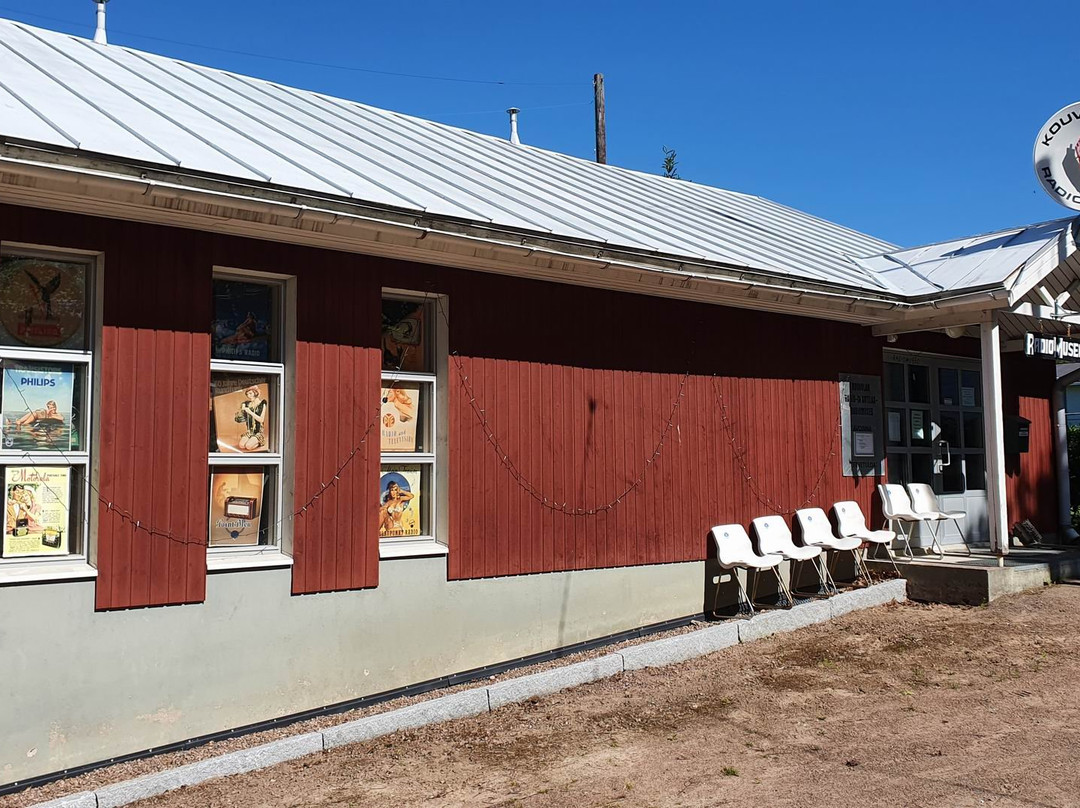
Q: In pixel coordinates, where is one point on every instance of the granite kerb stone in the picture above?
(552, 681)
(243, 760)
(446, 708)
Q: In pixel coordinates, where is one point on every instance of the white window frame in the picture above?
(277, 552)
(78, 563)
(435, 541)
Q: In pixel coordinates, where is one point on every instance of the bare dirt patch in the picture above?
(905, 705)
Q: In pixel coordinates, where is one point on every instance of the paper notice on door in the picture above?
(864, 443)
(917, 425)
(967, 396)
(894, 428)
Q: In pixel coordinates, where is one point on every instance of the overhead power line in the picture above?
(305, 62)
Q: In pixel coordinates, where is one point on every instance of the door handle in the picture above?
(946, 455)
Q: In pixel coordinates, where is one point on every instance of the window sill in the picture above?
(412, 549)
(23, 572)
(233, 562)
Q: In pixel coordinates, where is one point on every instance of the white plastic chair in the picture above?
(774, 536)
(817, 532)
(850, 523)
(897, 508)
(925, 503)
(734, 551)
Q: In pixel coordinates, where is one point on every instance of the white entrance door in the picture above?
(934, 434)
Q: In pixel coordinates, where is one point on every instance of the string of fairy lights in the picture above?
(545, 500)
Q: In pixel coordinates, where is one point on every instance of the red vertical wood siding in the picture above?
(154, 366)
(335, 537)
(577, 388)
(1030, 478)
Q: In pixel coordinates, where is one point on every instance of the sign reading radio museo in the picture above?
(1057, 156)
(1051, 347)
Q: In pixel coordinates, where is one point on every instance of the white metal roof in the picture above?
(977, 262)
(68, 92)
(62, 91)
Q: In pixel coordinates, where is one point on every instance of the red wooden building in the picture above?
(366, 401)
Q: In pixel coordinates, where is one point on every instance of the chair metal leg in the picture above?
(889, 555)
(963, 538)
(899, 531)
(785, 591)
(742, 592)
(935, 543)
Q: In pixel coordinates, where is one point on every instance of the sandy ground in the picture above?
(899, 706)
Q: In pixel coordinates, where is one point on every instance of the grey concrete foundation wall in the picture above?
(78, 686)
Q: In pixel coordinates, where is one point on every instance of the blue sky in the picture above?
(911, 121)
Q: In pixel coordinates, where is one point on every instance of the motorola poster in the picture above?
(42, 303)
(242, 321)
(36, 402)
(36, 504)
(236, 507)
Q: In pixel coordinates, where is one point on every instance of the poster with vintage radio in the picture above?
(37, 406)
(401, 407)
(237, 500)
(42, 303)
(399, 502)
(36, 504)
(404, 336)
(243, 420)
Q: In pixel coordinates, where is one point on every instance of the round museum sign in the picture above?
(1057, 156)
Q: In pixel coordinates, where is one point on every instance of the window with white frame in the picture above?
(410, 427)
(247, 414)
(46, 363)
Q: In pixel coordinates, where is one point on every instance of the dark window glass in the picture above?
(948, 387)
(976, 472)
(918, 384)
(973, 430)
(897, 464)
(894, 382)
(950, 429)
(922, 468)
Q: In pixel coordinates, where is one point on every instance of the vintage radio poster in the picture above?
(36, 503)
(236, 505)
(400, 410)
(404, 336)
(399, 502)
(242, 417)
(42, 303)
(36, 403)
(242, 321)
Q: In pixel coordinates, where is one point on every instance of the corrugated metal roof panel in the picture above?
(968, 263)
(65, 91)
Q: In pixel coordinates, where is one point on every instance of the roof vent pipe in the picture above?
(513, 126)
(99, 34)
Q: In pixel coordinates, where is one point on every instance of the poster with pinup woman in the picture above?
(37, 403)
(36, 501)
(399, 502)
(242, 422)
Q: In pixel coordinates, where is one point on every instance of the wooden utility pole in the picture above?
(601, 125)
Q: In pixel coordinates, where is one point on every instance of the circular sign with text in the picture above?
(1057, 157)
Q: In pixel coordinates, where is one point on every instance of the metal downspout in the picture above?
(1061, 456)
